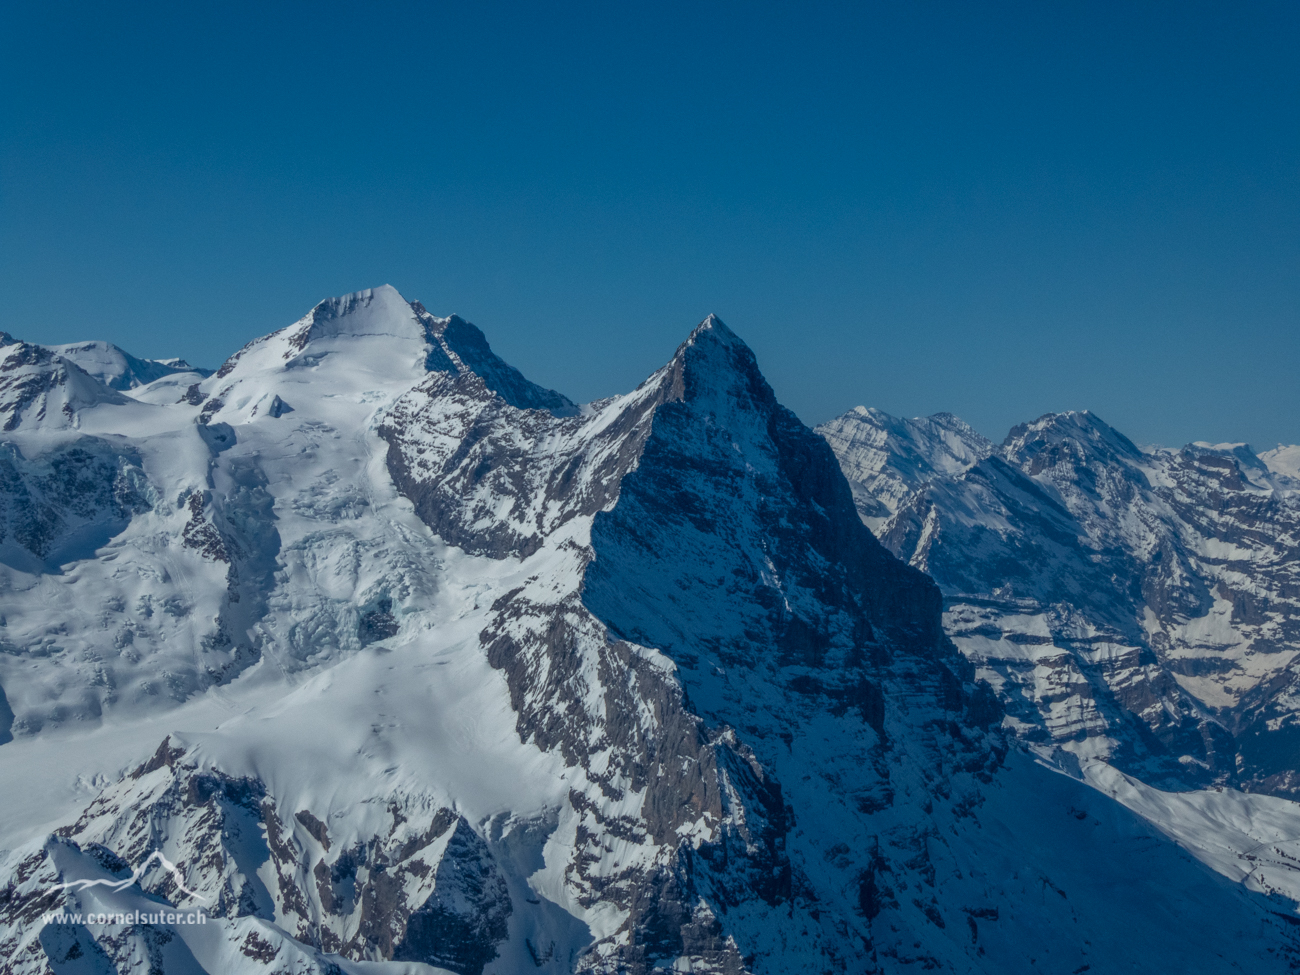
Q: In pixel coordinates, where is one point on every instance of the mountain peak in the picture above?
(713, 329)
(42, 388)
(118, 369)
(711, 334)
(372, 311)
(398, 342)
(334, 326)
(1086, 432)
(714, 363)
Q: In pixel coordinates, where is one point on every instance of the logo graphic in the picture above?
(136, 874)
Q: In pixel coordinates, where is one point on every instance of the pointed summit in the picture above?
(374, 311)
(1077, 432)
(376, 332)
(715, 365)
(713, 329)
(457, 346)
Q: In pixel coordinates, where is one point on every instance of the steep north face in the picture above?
(448, 670)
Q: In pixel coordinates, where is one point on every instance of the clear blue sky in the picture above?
(997, 209)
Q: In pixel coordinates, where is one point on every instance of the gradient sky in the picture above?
(997, 209)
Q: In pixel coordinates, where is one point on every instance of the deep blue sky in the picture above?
(991, 208)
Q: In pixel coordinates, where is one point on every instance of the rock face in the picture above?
(424, 888)
(69, 501)
(41, 388)
(1136, 605)
(447, 670)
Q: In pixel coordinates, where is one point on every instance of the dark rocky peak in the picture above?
(734, 548)
(715, 377)
(6, 339)
(729, 470)
(716, 369)
(1072, 438)
(456, 346)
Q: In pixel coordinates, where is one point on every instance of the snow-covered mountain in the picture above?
(120, 370)
(1284, 462)
(382, 658)
(1140, 606)
(112, 366)
(886, 458)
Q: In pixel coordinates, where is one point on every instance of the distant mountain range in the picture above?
(112, 366)
(1139, 606)
(386, 659)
